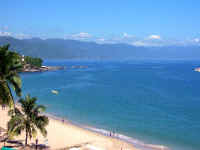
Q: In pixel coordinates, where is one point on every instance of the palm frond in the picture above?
(5, 95)
(40, 108)
(13, 112)
(16, 125)
(28, 119)
(9, 65)
(16, 83)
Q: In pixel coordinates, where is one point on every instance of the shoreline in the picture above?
(134, 142)
(42, 69)
(65, 135)
(51, 68)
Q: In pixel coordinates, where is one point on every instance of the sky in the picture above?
(136, 22)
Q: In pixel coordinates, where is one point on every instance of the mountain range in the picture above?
(74, 49)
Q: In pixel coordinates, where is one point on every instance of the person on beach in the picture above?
(3, 106)
(36, 144)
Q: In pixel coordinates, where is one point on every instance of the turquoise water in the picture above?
(152, 102)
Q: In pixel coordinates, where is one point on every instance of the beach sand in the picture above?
(66, 135)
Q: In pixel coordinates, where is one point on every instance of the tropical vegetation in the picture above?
(10, 65)
(28, 119)
(28, 116)
(33, 61)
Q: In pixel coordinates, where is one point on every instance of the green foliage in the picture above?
(10, 64)
(34, 61)
(28, 119)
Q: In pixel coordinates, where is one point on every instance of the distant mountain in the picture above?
(72, 49)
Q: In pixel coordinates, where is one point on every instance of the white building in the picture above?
(22, 58)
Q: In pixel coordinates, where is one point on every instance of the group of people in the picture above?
(3, 106)
(113, 134)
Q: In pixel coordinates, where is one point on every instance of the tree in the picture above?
(28, 119)
(10, 64)
(34, 61)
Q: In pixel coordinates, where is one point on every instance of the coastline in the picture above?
(42, 68)
(65, 134)
(137, 145)
(129, 140)
(29, 68)
(51, 100)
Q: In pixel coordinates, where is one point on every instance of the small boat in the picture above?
(197, 69)
(54, 92)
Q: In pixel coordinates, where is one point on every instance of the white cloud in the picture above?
(2, 33)
(15, 35)
(143, 42)
(126, 35)
(79, 36)
(197, 40)
(22, 36)
(139, 43)
(151, 40)
(156, 37)
(82, 35)
(100, 40)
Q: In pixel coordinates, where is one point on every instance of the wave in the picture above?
(137, 143)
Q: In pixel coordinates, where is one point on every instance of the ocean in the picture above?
(143, 102)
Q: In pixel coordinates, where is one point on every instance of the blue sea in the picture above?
(144, 102)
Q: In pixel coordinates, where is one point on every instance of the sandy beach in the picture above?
(68, 136)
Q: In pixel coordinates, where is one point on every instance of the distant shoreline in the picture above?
(197, 69)
(50, 68)
(43, 69)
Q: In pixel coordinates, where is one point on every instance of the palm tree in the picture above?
(28, 119)
(10, 64)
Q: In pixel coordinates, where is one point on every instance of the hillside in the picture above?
(72, 49)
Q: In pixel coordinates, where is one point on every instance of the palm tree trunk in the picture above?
(26, 139)
(12, 103)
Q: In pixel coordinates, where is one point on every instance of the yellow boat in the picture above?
(54, 92)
